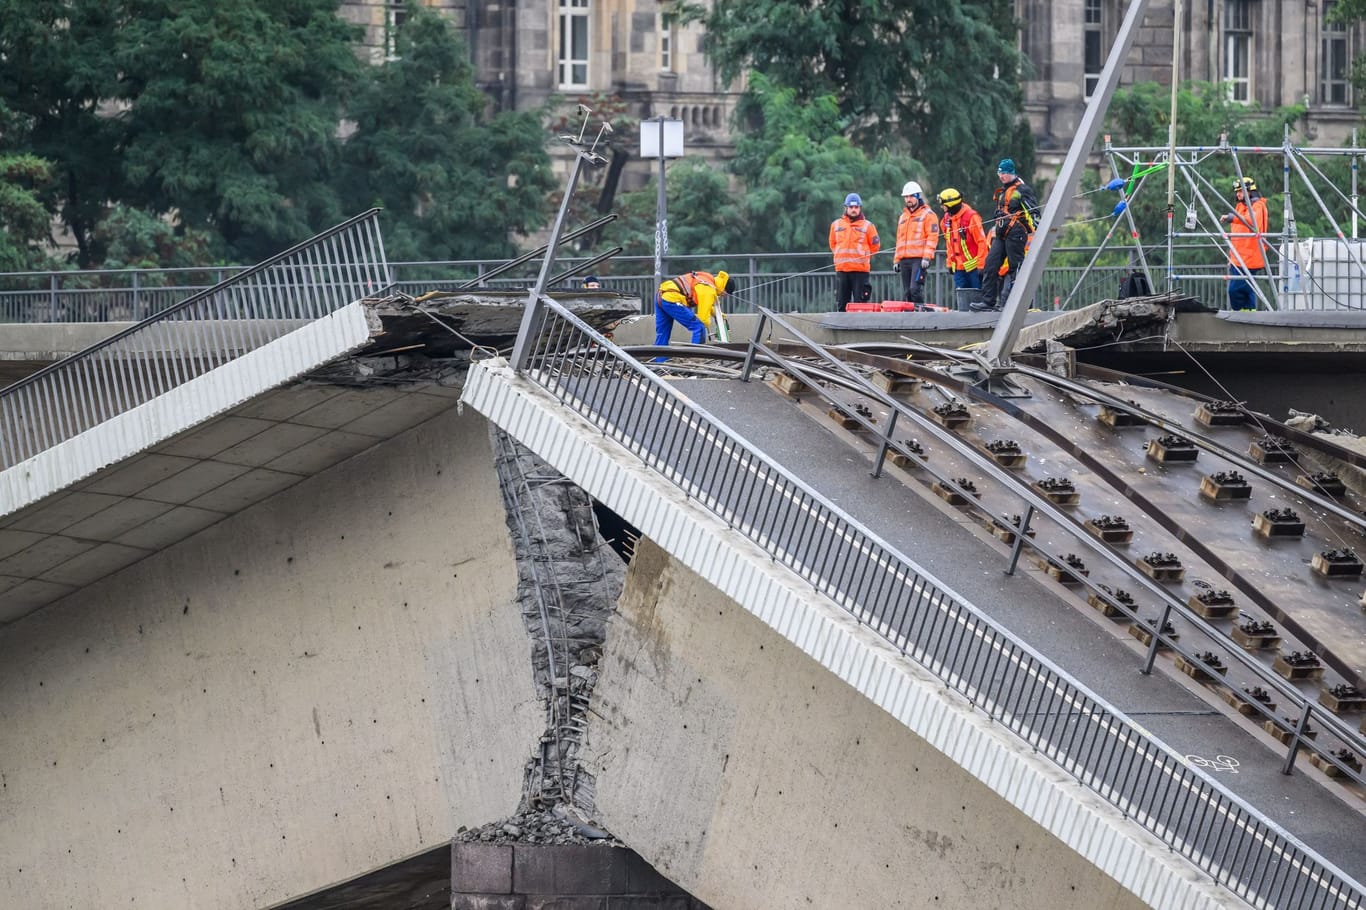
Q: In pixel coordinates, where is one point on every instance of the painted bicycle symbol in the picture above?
(1218, 763)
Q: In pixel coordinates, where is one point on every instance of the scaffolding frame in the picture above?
(1296, 162)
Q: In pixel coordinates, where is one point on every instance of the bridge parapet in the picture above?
(144, 384)
(888, 595)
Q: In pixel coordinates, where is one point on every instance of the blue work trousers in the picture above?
(964, 279)
(1241, 296)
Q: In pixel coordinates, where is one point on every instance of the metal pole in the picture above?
(1060, 199)
(531, 317)
(1171, 143)
(661, 217)
(1355, 207)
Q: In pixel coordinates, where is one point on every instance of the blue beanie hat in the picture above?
(853, 199)
(1007, 166)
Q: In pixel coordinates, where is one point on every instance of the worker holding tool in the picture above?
(917, 237)
(688, 299)
(1014, 222)
(853, 240)
(965, 243)
(1247, 223)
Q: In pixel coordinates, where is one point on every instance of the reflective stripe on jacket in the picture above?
(917, 234)
(853, 243)
(1245, 233)
(1007, 195)
(692, 289)
(965, 244)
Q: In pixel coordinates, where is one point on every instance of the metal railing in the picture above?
(1017, 687)
(186, 340)
(781, 282)
(1308, 711)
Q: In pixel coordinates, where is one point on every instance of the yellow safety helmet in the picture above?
(950, 196)
(1245, 183)
(723, 281)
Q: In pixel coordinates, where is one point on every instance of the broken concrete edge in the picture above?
(1108, 320)
(1040, 789)
(497, 869)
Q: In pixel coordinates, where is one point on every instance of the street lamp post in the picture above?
(662, 138)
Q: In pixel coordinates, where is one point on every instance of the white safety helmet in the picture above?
(911, 189)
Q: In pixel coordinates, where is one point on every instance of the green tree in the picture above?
(231, 114)
(790, 175)
(941, 80)
(136, 239)
(57, 68)
(455, 182)
(25, 222)
(702, 216)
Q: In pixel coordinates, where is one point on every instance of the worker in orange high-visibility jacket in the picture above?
(689, 299)
(965, 243)
(917, 237)
(1247, 260)
(853, 240)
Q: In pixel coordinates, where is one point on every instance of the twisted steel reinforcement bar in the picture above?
(1094, 742)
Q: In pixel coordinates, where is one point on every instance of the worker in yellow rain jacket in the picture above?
(688, 300)
(917, 237)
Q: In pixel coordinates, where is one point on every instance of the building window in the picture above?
(395, 14)
(1093, 56)
(666, 43)
(573, 44)
(1238, 49)
(1335, 87)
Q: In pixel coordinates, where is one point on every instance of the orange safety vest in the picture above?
(917, 234)
(853, 243)
(965, 244)
(1245, 233)
(692, 289)
(1005, 218)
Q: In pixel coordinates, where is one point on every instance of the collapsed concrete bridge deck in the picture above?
(209, 701)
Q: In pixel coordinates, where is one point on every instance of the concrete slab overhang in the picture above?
(237, 435)
(154, 475)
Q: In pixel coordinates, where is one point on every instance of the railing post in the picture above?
(753, 346)
(52, 298)
(885, 442)
(138, 315)
(1297, 737)
(1157, 639)
(1020, 534)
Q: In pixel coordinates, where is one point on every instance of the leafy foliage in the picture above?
(58, 66)
(941, 80)
(791, 174)
(221, 118)
(232, 109)
(136, 239)
(454, 183)
(24, 221)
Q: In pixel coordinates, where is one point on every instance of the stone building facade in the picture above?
(1270, 52)
(526, 52)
